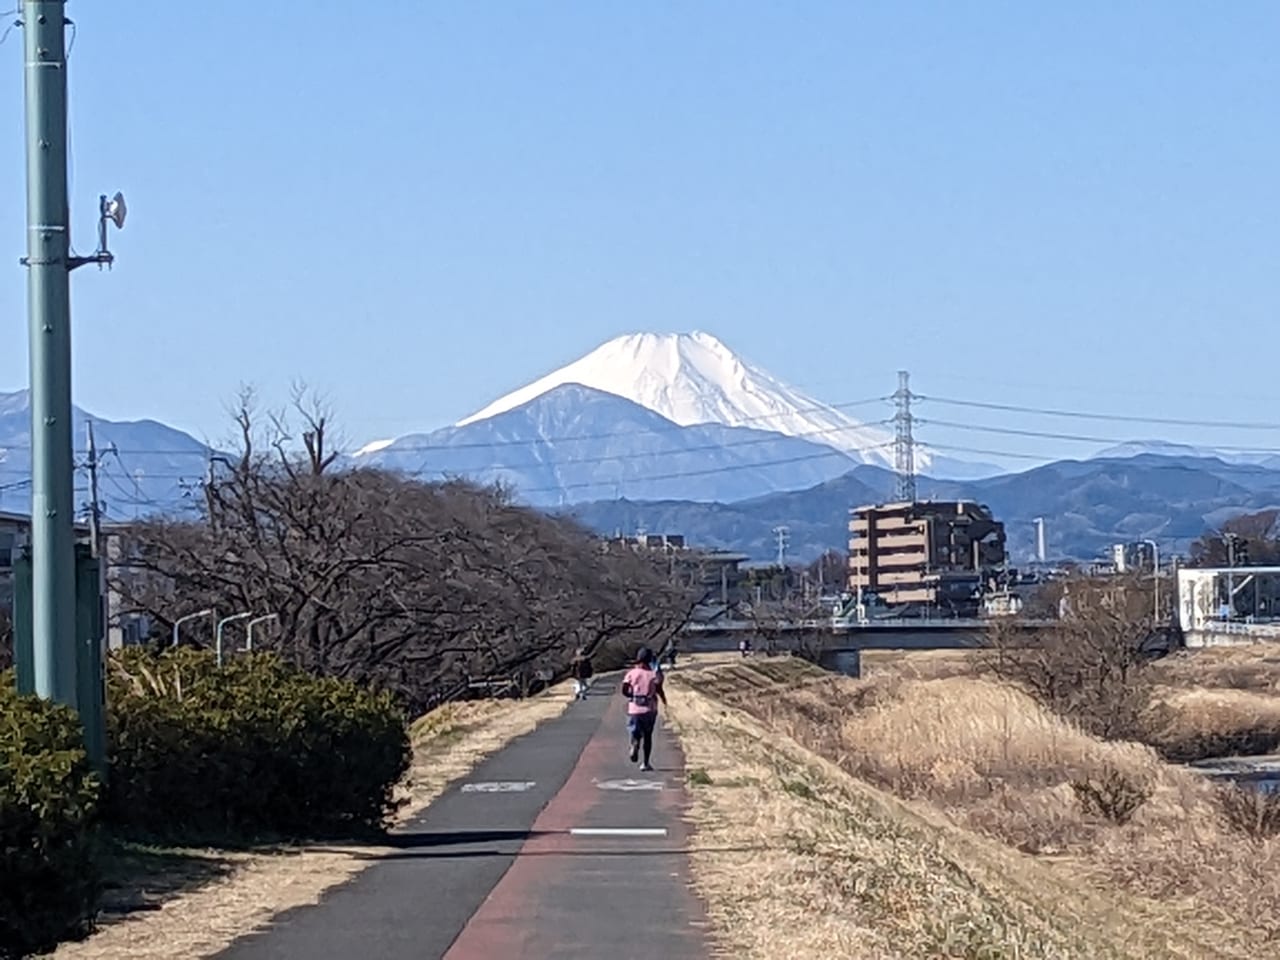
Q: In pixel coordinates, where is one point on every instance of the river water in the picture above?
(1262, 773)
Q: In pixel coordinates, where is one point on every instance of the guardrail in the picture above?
(1223, 632)
(847, 624)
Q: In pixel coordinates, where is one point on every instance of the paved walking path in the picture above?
(520, 860)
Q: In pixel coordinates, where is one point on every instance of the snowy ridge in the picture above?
(373, 447)
(693, 379)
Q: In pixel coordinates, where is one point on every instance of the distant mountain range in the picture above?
(1087, 505)
(145, 466)
(677, 434)
(1163, 448)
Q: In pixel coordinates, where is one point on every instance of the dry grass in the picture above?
(1255, 667)
(1208, 703)
(996, 765)
(206, 899)
(1202, 722)
(918, 664)
(798, 859)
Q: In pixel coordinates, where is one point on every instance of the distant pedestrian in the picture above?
(671, 655)
(744, 646)
(642, 686)
(582, 672)
(655, 664)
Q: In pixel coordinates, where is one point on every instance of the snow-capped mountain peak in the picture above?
(694, 378)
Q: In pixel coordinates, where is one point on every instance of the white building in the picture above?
(1224, 605)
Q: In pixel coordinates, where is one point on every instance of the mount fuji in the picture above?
(694, 379)
(651, 416)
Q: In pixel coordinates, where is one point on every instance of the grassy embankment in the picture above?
(166, 903)
(923, 811)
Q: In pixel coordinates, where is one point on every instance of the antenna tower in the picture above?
(904, 447)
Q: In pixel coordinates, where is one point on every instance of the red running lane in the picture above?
(586, 897)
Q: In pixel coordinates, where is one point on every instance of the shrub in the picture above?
(250, 749)
(1113, 794)
(698, 777)
(1249, 810)
(48, 824)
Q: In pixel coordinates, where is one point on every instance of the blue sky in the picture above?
(418, 206)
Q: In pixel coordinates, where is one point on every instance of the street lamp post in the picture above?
(218, 631)
(248, 644)
(1155, 575)
(192, 616)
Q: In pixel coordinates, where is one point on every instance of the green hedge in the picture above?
(254, 748)
(49, 883)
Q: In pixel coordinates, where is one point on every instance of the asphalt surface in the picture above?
(495, 872)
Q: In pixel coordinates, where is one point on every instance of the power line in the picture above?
(1047, 435)
(951, 401)
(95, 504)
(603, 458)
(784, 461)
(670, 427)
(701, 448)
(1113, 417)
(1041, 385)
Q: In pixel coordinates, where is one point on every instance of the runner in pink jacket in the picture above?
(642, 686)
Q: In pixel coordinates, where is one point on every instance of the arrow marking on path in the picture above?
(630, 784)
(499, 786)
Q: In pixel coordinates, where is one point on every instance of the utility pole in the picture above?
(53, 600)
(49, 263)
(1155, 577)
(904, 452)
(95, 505)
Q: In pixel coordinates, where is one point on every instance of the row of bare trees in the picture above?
(419, 588)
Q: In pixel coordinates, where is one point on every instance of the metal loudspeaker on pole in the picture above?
(112, 210)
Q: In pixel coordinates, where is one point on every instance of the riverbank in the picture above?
(1131, 854)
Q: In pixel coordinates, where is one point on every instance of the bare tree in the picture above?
(1091, 665)
(420, 588)
(1256, 542)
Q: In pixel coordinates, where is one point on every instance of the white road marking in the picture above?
(619, 831)
(499, 786)
(630, 784)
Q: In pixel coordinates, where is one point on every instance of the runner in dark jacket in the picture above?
(582, 672)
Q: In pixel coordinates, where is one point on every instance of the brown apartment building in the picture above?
(934, 553)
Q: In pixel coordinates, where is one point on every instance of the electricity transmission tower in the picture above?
(782, 533)
(904, 448)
